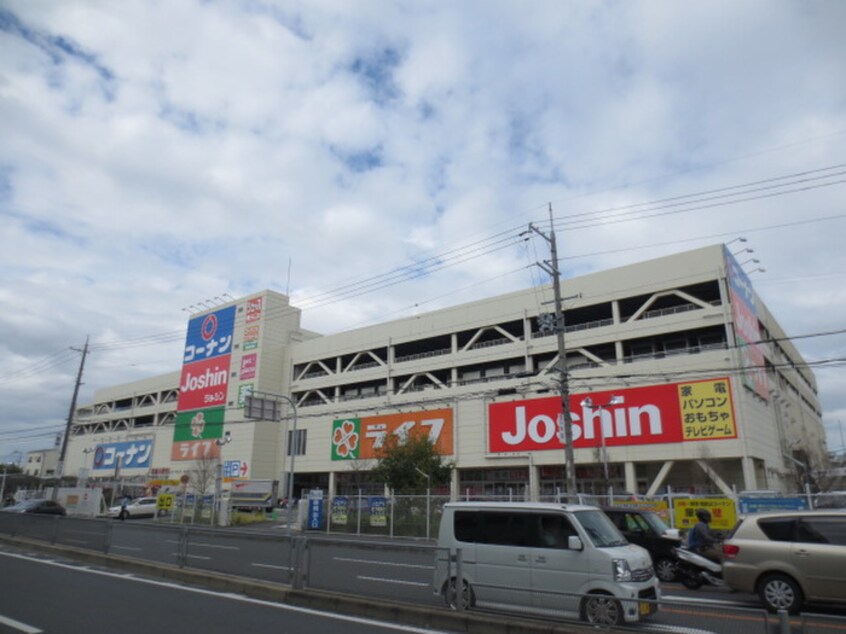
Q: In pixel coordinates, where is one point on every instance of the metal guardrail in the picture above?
(392, 570)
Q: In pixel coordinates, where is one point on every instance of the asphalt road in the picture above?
(376, 568)
(61, 597)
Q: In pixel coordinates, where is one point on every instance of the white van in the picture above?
(544, 559)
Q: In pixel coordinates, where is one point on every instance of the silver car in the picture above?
(788, 558)
(139, 507)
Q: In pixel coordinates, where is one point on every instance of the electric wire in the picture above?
(506, 239)
(480, 248)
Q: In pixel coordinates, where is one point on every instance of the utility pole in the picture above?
(60, 466)
(551, 267)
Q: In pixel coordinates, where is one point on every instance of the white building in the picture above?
(41, 463)
(715, 396)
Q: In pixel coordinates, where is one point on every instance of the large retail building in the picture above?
(678, 375)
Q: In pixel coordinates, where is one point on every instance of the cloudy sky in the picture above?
(379, 159)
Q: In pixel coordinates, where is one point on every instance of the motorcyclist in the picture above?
(700, 539)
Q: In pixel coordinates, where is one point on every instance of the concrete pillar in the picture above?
(332, 485)
(534, 483)
(631, 477)
(749, 479)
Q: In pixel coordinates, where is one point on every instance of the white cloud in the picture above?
(158, 154)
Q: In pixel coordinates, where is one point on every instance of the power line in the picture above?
(488, 246)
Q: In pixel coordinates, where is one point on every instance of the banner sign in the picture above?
(378, 511)
(204, 384)
(655, 414)
(195, 433)
(254, 310)
(340, 511)
(723, 512)
(235, 469)
(210, 335)
(133, 454)
(251, 337)
(244, 391)
(249, 363)
(746, 329)
(657, 506)
(763, 504)
(361, 438)
(315, 509)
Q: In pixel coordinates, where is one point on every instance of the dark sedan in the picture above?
(45, 507)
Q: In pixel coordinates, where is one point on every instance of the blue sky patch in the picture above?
(362, 161)
(376, 74)
(59, 49)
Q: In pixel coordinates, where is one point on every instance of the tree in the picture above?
(404, 462)
(203, 476)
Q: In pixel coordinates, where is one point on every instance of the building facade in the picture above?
(41, 463)
(678, 377)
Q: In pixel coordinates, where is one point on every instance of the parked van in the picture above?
(543, 558)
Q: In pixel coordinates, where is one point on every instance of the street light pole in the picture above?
(292, 448)
(428, 496)
(588, 404)
(255, 407)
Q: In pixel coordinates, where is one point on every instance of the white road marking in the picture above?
(237, 597)
(207, 545)
(395, 581)
(198, 557)
(683, 599)
(383, 563)
(125, 548)
(17, 625)
(675, 629)
(270, 566)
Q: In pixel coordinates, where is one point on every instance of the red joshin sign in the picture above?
(204, 383)
(675, 412)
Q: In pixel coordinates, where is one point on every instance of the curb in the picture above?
(375, 608)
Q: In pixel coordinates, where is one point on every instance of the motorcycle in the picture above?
(694, 570)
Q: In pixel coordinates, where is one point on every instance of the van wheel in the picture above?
(464, 601)
(780, 592)
(665, 569)
(601, 609)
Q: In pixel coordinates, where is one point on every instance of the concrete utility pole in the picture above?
(551, 267)
(60, 466)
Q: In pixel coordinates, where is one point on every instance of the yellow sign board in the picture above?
(658, 506)
(723, 512)
(164, 501)
(706, 410)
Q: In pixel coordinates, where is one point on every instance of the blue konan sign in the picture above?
(210, 335)
(133, 454)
